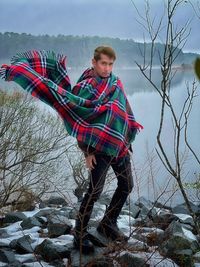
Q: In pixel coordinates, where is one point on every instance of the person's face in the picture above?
(103, 67)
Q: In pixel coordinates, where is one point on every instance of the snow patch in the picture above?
(189, 234)
(183, 217)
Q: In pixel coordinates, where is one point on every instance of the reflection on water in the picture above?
(133, 79)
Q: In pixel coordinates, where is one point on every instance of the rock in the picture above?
(184, 258)
(58, 263)
(177, 248)
(101, 262)
(55, 230)
(29, 259)
(196, 256)
(3, 233)
(151, 236)
(155, 259)
(143, 202)
(15, 264)
(45, 212)
(132, 208)
(65, 211)
(137, 244)
(182, 208)
(4, 245)
(42, 220)
(131, 260)
(22, 245)
(143, 222)
(162, 221)
(7, 256)
(55, 201)
(30, 222)
(185, 218)
(180, 230)
(179, 245)
(58, 225)
(49, 251)
(162, 206)
(12, 217)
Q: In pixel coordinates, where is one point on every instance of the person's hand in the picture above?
(90, 161)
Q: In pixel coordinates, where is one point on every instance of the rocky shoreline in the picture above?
(158, 236)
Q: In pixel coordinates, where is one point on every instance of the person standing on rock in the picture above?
(98, 163)
(97, 113)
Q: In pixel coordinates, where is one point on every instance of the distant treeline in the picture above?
(79, 49)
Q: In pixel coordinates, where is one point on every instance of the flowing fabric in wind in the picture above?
(95, 111)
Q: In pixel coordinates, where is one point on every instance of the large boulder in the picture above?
(131, 260)
(45, 212)
(163, 219)
(22, 245)
(12, 217)
(49, 251)
(180, 244)
(58, 225)
(182, 208)
(7, 256)
(54, 201)
(151, 236)
(30, 222)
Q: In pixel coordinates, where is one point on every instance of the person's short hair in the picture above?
(106, 50)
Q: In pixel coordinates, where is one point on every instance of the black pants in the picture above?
(122, 169)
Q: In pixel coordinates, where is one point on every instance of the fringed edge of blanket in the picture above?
(3, 71)
(38, 54)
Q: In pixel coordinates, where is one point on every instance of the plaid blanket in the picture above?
(95, 111)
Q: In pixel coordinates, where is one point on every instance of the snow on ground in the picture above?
(125, 221)
(15, 231)
(189, 235)
(183, 217)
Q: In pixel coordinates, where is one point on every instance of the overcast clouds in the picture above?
(112, 18)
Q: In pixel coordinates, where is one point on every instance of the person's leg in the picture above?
(97, 179)
(123, 172)
(122, 169)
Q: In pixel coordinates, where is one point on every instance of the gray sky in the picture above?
(112, 18)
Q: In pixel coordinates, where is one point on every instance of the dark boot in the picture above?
(109, 229)
(83, 244)
(81, 240)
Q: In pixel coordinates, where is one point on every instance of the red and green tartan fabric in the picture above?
(95, 111)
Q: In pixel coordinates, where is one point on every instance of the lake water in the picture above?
(153, 179)
(150, 177)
